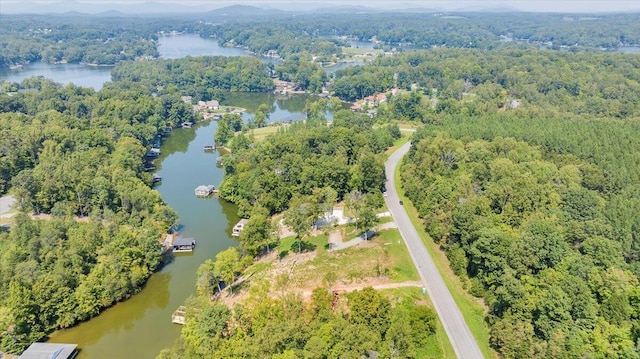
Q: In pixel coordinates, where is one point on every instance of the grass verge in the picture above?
(438, 345)
(259, 134)
(472, 309)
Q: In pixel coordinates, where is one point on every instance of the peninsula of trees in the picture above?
(108, 40)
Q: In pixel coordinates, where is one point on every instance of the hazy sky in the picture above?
(524, 5)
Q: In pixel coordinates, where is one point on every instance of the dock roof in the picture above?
(49, 351)
(183, 241)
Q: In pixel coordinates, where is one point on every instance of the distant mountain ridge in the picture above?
(240, 7)
(151, 8)
(243, 10)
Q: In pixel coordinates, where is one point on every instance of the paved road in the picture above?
(6, 203)
(457, 330)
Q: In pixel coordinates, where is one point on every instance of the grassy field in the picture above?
(472, 308)
(260, 134)
(384, 258)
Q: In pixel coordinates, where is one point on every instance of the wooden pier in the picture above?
(167, 244)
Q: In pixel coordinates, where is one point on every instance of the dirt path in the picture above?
(360, 286)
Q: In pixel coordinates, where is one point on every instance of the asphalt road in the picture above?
(6, 203)
(457, 330)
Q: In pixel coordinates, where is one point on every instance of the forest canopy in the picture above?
(63, 39)
(538, 241)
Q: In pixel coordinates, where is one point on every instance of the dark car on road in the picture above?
(401, 203)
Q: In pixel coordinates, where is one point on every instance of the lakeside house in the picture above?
(369, 102)
(208, 105)
(239, 227)
(283, 87)
(50, 350)
(375, 100)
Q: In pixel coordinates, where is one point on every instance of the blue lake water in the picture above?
(169, 47)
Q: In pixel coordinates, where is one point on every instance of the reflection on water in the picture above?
(283, 108)
(119, 320)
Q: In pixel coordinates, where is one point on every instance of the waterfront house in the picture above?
(208, 105)
(50, 350)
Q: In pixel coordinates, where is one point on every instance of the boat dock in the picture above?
(154, 152)
(182, 244)
(209, 147)
(167, 244)
(176, 243)
(205, 190)
(179, 316)
(239, 227)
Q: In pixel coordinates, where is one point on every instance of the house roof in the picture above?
(49, 351)
(183, 241)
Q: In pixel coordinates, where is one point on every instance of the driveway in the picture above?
(6, 202)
